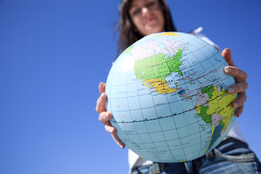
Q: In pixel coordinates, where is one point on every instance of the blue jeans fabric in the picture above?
(231, 156)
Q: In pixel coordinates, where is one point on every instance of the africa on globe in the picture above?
(167, 94)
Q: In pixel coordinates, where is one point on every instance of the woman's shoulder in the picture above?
(198, 32)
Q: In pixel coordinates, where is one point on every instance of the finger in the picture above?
(109, 128)
(100, 106)
(236, 72)
(226, 53)
(118, 141)
(238, 88)
(102, 87)
(239, 101)
(239, 111)
(105, 117)
(115, 137)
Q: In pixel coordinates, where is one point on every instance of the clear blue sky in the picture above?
(54, 53)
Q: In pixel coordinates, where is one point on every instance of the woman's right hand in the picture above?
(105, 116)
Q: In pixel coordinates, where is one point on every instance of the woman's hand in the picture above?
(105, 116)
(241, 84)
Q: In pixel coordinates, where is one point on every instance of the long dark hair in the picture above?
(127, 34)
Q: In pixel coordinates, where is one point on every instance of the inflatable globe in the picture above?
(167, 94)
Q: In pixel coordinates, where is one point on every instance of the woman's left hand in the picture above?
(241, 85)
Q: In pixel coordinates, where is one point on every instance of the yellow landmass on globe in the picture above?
(218, 112)
(220, 104)
(160, 86)
(198, 108)
(227, 112)
(167, 34)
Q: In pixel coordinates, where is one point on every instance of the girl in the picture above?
(139, 18)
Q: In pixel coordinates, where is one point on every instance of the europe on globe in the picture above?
(167, 94)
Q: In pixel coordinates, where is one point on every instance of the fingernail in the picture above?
(107, 116)
(236, 104)
(231, 90)
(102, 96)
(239, 114)
(111, 131)
(121, 146)
(228, 69)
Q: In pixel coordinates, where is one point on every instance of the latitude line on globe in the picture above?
(163, 103)
(202, 76)
(181, 78)
(175, 147)
(161, 117)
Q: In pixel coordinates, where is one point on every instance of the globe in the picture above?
(167, 94)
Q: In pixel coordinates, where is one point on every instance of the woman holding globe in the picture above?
(139, 18)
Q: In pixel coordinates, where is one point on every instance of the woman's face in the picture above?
(147, 16)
